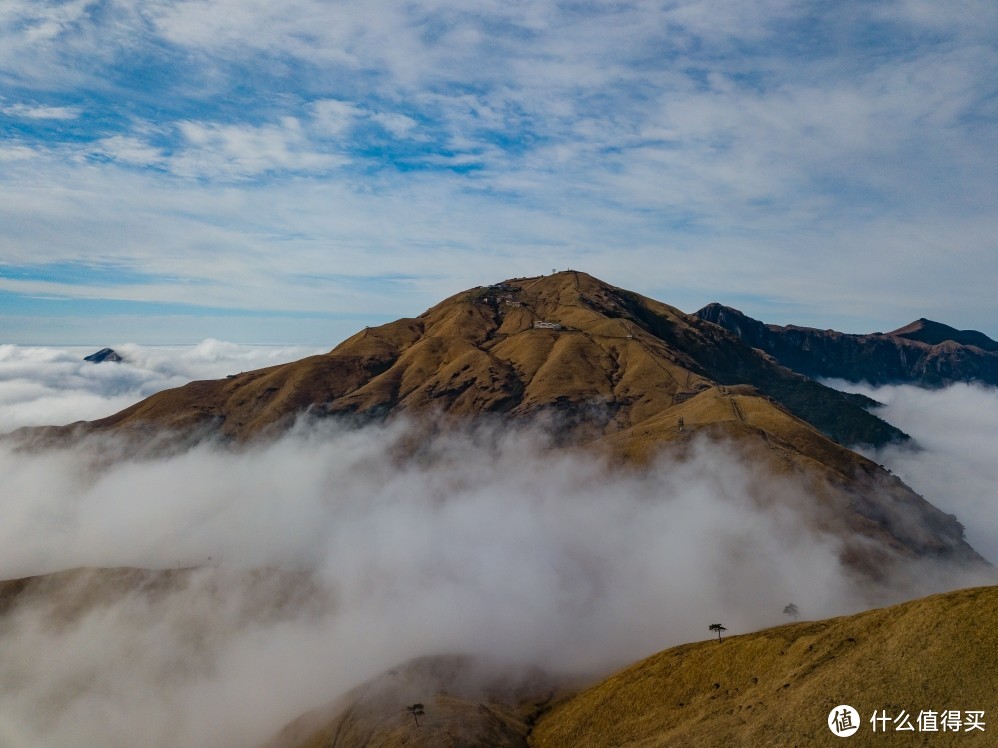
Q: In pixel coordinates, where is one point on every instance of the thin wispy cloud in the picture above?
(786, 155)
(216, 151)
(28, 111)
(130, 150)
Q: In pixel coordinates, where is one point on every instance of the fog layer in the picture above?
(484, 543)
(956, 464)
(326, 557)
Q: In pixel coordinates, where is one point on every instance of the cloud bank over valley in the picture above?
(954, 466)
(291, 571)
(47, 386)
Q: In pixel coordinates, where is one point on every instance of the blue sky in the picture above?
(288, 172)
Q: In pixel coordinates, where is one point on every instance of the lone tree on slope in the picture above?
(718, 628)
(416, 710)
(792, 610)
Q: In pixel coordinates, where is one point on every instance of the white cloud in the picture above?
(335, 117)
(956, 429)
(226, 237)
(220, 151)
(973, 17)
(487, 544)
(54, 45)
(55, 386)
(798, 158)
(398, 125)
(130, 150)
(37, 111)
(17, 153)
(44, 21)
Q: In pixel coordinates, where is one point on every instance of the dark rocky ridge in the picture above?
(935, 333)
(925, 353)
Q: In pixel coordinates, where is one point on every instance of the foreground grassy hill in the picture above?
(776, 687)
(768, 688)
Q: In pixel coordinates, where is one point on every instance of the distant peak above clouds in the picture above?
(104, 355)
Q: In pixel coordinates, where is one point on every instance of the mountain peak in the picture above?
(104, 355)
(562, 293)
(566, 343)
(926, 331)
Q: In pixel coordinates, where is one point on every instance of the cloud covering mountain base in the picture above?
(482, 541)
(954, 466)
(293, 571)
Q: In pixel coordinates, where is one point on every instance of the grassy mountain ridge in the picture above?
(481, 351)
(773, 687)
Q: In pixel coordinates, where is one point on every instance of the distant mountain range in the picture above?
(926, 353)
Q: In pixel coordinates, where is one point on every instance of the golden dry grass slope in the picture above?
(562, 342)
(611, 369)
(768, 688)
(776, 687)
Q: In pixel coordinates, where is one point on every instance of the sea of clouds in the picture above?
(45, 386)
(484, 541)
(954, 464)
